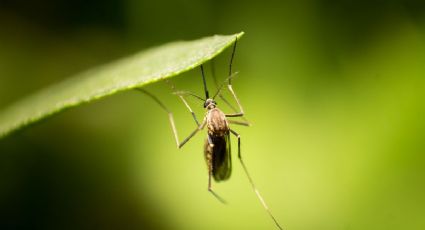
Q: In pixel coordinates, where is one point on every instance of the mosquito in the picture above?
(217, 148)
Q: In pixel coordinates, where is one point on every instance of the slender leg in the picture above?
(218, 87)
(171, 118)
(243, 123)
(185, 103)
(231, 59)
(241, 113)
(200, 127)
(252, 182)
(219, 198)
(190, 109)
(235, 111)
(229, 86)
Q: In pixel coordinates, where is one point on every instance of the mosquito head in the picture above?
(210, 104)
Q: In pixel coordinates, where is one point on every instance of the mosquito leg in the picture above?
(231, 59)
(171, 118)
(221, 95)
(243, 123)
(252, 182)
(200, 127)
(185, 102)
(212, 191)
(230, 88)
(241, 113)
(190, 109)
(218, 87)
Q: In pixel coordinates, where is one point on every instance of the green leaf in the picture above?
(128, 73)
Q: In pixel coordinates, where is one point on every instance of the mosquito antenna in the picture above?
(184, 93)
(205, 83)
(231, 59)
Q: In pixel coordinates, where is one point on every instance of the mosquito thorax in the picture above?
(210, 104)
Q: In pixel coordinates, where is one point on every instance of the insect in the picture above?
(217, 147)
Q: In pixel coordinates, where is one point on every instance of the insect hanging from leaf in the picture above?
(217, 147)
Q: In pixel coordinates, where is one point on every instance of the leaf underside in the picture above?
(128, 73)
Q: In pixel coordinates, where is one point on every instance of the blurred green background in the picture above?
(335, 91)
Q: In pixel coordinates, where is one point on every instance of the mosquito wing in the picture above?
(219, 157)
